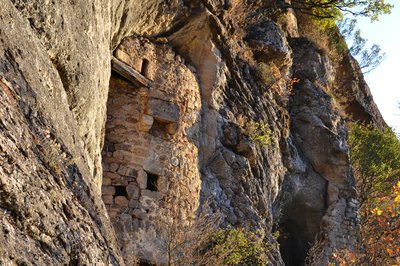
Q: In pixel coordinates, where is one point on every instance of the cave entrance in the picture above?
(292, 244)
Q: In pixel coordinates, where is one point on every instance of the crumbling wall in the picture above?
(151, 144)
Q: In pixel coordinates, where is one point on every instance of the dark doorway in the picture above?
(293, 245)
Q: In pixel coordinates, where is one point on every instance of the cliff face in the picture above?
(88, 157)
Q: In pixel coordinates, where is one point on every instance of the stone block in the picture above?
(118, 155)
(122, 170)
(145, 202)
(108, 190)
(113, 215)
(126, 220)
(109, 147)
(120, 182)
(142, 179)
(106, 181)
(153, 167)
(131, 172)
(112, 175)
(155, 195)
(141, 151)
(108, 199)
(135, 225)
(163, 110)
(140, 214)
(172, 128)
(146, 122)
(106, 167)
(132, 191)
(114, 167)
(128, 158)
(121, 201)
(133, 203)
(117, 208)
(124, 57)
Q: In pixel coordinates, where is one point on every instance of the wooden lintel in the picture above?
(129, 73)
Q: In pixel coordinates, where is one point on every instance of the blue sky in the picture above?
(384, 81)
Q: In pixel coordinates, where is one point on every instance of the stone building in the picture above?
(150, 143)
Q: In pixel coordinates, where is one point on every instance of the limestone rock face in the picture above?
(49, 213)
(242, 111)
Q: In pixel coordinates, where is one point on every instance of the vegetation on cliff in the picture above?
(375, 155)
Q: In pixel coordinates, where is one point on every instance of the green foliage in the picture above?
(327, 13)
(268, 73)
(259, 132)
(335, 9)
(375, 155)
(238, 246)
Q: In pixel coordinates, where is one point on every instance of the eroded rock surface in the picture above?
(217, 69)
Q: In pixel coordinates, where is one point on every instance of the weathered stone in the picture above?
(53, 110)
(131, 172)
(132, 191)
(123, 170)
(121, 201)
(142, 179)
(140, 214)
(153, 167)
(172, 128)
(155, 195)
(146, 122)
(114, 167)
(108, 199)
(126, 220)
(163, 111)
(108, 190)
(120, 182)
(134, 203)
(124, 57)
(112, 175)
(269, 43)
(106, 181)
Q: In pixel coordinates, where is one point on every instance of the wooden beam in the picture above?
(129, 73)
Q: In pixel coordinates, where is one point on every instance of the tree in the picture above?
(335, 9)
(375, 156)
(380, 228)
(184, 239)
(368, 58)
(199, 240)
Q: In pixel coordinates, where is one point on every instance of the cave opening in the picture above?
(293, 244)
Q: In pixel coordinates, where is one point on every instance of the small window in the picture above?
(120, 191)
(145, 68)
(152, 182)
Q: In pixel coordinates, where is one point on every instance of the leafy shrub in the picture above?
(269, 74)
(271, 77)
(239, 246)
(379, 234)
(259, 132)
(375, 156)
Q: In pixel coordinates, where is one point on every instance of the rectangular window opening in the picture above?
(152, 182)
(120, 191)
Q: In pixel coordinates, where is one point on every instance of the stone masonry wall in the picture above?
(150, 149)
